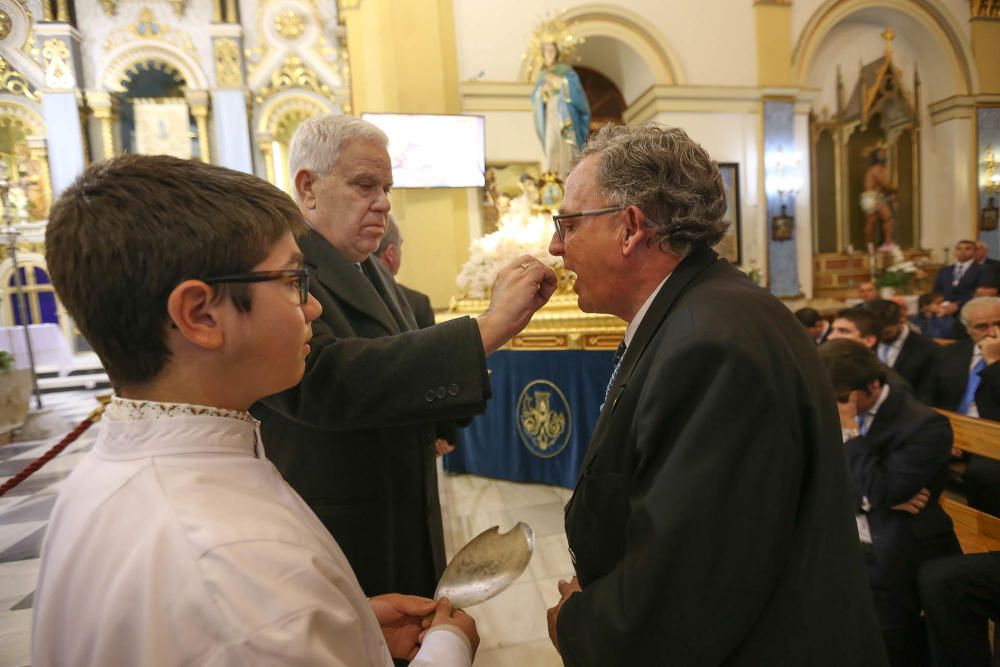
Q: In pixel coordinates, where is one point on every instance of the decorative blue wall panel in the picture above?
(989, 140)
(779, 134)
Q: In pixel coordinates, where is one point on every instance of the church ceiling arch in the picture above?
(629, 30)
(149, 40)
(25, 116)
(929, 14)
(281, 114)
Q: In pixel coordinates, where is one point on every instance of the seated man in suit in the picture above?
(864, 326)
(931, 319)
(897, 452)
(817, 327)
(982, 257)
(958, 281)
(966, 379)
(390, 253)
(867, 291)
(906, 352)
(710, 524)
(960, 595)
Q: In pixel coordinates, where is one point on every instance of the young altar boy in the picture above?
(175, 541)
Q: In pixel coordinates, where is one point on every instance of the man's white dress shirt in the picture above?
(176, 542)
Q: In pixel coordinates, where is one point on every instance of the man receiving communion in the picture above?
(711, 521)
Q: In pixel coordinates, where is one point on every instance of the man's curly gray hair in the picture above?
(666, 174)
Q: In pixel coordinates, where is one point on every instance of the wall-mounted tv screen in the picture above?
(434, 151)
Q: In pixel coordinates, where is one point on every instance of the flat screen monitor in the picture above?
(434, 151)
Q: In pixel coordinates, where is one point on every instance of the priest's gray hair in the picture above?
(317, 142)
(979, 303)
(666, 174)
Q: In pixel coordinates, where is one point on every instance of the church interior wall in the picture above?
(492, 38)
(732, 137)
(687, 63)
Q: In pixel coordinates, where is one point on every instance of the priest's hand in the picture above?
(520, 289)
(566, 589)
(401, 617)
(442, 447)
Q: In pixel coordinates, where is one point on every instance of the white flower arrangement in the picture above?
(518, 233)
(900, 273)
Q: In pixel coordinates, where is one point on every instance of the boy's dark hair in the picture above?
(867, 322)
(924, 300)
(132, 228)
(887, 311)
(808, 317)
(850, 365)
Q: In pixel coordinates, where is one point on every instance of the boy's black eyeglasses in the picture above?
(298, 277)
(559, 217)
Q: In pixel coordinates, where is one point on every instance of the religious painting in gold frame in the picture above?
(730, 247)
(505, 182)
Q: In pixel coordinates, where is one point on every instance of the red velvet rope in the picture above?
(51, 454)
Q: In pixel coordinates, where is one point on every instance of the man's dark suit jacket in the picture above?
(915, 359)
(966, 287)
(355, 438)
(712, 522)
(907, 448)
(420, 304)
(945, 389)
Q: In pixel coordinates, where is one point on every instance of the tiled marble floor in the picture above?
(511, 626)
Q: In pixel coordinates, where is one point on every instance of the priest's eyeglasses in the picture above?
(559, 217)
(298, 278)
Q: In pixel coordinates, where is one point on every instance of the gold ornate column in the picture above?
(264, 141)
(198, 102)
(104, 108)
(38, 154)
(62, 11)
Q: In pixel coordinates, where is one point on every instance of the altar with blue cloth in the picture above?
(538, 423)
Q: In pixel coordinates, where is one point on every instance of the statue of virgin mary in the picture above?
(561, 111)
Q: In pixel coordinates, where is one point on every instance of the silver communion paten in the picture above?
(486, 566)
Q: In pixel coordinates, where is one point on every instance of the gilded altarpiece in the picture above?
(879, 113)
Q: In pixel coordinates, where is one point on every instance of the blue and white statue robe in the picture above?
(563, 120)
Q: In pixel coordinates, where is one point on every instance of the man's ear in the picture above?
(305, 182)
(393, 257)
(195, 315)
(636, 233)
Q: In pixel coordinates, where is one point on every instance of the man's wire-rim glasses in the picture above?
(559, 217)
(299, 277)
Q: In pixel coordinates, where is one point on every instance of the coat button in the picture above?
(442, 392)
(453, 390)
(430, 395)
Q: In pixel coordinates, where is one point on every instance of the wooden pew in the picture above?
(976, 531)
